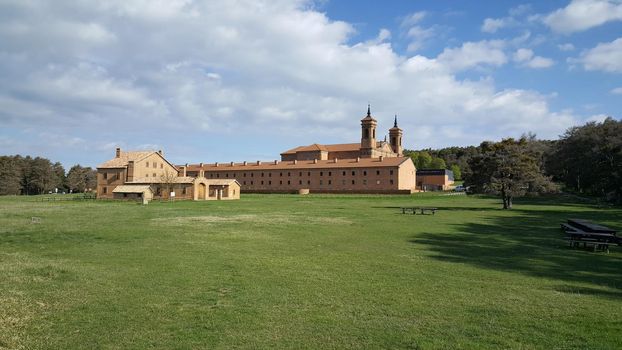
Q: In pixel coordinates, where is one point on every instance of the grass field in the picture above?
(281, 271)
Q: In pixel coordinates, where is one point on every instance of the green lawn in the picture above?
(286, 271)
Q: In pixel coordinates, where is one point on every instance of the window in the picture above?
(252, 175)
(366, 134)
(244, 174)
(288, 182)
(269, 182)
(308, 182)
(244, 182)
(161, 165)
(154, 175)
(262, 182)
(281, 182)
(147, 164)
(330, 182)
(104, 190)
(321, 173)
(251, 182)
(353, 182)
(261, 174)
(300, 182)
(364, 172)
(344, 173)
(105, 176)
(300, 173)
(281, 174)
(377, 172)
(390, 172)
(217, 175)
(329, 173)
(391, 182)
(183, 190)
(147, 175)
(353, 172)
(269, 174)
(309, 173)
(211, 175)
(289, 174)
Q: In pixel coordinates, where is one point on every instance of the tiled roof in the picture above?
(124, 158)
(339, 147)
(303, 164)
(220, 182)
(131, 189)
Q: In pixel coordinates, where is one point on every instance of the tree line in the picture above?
(28, 176)
(585, 160)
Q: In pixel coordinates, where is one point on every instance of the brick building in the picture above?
(370, 166)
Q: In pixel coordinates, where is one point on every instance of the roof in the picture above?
(428, 172)
(124, 158)
(338, 147)
(304, 164)
(131, 189)
(158, 180)
(220, 182)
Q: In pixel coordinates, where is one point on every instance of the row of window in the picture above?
(154, 165)
(321, 182)
(300, 174)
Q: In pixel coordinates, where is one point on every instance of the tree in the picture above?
(588, 159)
(510, 169)
(457, 173)
(168, 181)
(10, 175)
(437, 163)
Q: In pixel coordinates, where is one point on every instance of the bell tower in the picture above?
(368, 134)
(395, 135)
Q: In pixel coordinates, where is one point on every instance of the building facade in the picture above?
(147, 175)
(435, 179)
(369, 166)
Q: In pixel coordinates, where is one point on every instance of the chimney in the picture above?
(358, 159)
(118, 154)
(232, 163)
(381, 158)
(315, 161)
(216, 164)
(201, 165)
(185, 167)
(258, 162)
(295, 161)
(160, 152)
(245, 162)
(336, 160)
(276, 162)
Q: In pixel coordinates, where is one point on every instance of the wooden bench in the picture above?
(587, 242)
(421, 210)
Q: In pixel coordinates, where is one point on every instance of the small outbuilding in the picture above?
(434, 179)
(133, 192)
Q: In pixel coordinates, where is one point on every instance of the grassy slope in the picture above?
(312, 272)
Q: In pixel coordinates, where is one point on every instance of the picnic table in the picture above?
(421, 210)
(583, 232)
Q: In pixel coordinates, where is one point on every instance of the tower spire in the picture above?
(368, 110)
(395, 122)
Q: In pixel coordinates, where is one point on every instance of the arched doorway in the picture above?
(201, 191)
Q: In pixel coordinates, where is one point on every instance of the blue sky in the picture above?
(244, 80)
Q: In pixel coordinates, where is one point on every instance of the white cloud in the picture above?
(491, 25)
(413, 18)
(605, 56)
(474, 54)
(616, 91)
(566, 47)
(581, 15)
(417, 34)
(598, 118)
(261, 72)
(526, 58)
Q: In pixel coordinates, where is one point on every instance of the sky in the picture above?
(238, 80)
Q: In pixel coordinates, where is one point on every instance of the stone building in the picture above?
(435, 179)
(370, 166)
(147, 174)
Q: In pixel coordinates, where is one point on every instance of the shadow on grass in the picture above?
(530, 242)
